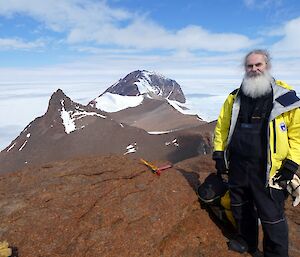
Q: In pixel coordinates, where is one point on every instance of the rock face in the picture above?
(141, 82)
(106, 206)
(69, 129)
(111, 205)
(293, 214)
(156, 116)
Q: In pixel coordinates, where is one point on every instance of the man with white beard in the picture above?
(257, 143)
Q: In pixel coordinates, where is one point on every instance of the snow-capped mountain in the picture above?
(149, 101)
(146, 82)
(133, 88)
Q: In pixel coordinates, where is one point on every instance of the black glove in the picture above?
(218, 157)
(286, 172)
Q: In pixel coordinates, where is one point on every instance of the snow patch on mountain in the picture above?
(69, 117)
(145, 84)
(22, 146)
(11, 147)
(181, 107)
(109, 102)
(160, 132)
(173, 142)
(68, 121)
(112, 102)
(131, 149)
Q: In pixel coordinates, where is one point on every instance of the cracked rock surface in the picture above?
(108, 206)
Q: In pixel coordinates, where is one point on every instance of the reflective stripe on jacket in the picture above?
(283, 127)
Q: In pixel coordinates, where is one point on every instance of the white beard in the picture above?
(256, 86)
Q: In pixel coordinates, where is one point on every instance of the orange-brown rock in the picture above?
(110, 206)
(105, 206)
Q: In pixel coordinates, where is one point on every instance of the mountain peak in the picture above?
(151, 83)
(56, 98)
(58, 102)
(146, 74)
(58, 94)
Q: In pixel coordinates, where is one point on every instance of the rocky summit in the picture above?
(106, 206)
(110, 206)
(145, 82)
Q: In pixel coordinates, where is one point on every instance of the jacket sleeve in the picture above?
(293, 133)
(223, 124)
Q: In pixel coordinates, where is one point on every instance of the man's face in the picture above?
(255, 65)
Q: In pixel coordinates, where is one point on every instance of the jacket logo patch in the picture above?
(282, 126)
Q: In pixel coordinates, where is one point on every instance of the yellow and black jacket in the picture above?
(283, 127)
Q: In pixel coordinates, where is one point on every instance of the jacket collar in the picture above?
(278, 108)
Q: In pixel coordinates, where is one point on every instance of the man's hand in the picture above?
(218, 157)
(283, 175)
(294, 189)
(286, 172)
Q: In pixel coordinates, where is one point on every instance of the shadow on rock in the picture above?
(192, 178)
(190, 145)
(214, 210)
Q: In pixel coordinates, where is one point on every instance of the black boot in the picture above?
(237, 244)
(256, 253)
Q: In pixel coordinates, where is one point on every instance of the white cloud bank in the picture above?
(95, 22)
(289, 45)
(16, 43)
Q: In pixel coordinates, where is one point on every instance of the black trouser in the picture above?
(251, 199)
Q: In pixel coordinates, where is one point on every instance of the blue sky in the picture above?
(37, 33)
(84, 46)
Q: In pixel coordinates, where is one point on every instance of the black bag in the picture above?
(212, 189)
